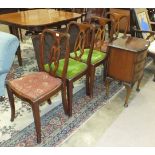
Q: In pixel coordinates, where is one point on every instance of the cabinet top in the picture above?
(131, 44)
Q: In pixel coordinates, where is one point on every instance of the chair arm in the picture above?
(152, 23)
(152, 33)
(143, 31)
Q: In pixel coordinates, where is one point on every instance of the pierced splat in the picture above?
(82, 39)
(116, 20)
(100, 33)
(54, 57)
(51, 50)
(80, 45)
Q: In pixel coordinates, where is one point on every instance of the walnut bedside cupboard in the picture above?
(126, 62)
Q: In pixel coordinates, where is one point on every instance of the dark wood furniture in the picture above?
(126, 62)
(36, 20)
(37, 87)
(123, 22)
(119, 24)
(80, 39)
(100, 12)
(79, 35)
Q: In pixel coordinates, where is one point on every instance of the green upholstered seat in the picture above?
(74, 68)
(96, 56)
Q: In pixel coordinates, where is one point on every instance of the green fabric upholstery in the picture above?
(74, 68)
(96, 56)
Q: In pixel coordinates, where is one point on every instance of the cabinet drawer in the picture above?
(138, 75)
(139, 66)
(141, 56)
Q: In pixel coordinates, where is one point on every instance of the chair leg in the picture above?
(70, 96)
(104, 71)
(36, 115)
(64, 99)
(49, 101)
(92, 77)
(11, 101)
(87, 84)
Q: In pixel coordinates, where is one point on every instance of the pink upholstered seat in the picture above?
(35, 85)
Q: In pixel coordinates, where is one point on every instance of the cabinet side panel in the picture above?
(121, 64)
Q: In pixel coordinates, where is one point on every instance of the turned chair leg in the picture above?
(36, 115)
(70, 97)
(12, 104)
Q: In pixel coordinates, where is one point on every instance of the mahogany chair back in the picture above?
(50, 47)
(81, 37)
(116, 19)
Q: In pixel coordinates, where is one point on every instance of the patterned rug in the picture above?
(56, 126)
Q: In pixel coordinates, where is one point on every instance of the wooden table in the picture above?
(36, 20)
(126, 62)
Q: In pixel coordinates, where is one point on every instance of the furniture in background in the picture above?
(8, 47)
(117, 28)
(126, 62)
(82, 11)
(37, 87)
(123, 22)
(143, 29)
(100, 12)
(36, 20)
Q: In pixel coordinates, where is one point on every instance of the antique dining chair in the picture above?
(99, 55)
(8, 47)
(81, 46)
(37, 87)
(143, 29)
(119, 25)
(76, 68)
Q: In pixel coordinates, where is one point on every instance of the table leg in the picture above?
(14, 31)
